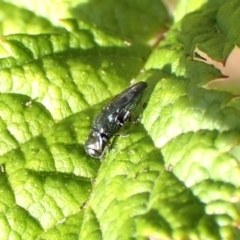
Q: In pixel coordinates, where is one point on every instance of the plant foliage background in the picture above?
(176, 173)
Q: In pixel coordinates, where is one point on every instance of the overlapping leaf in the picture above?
(198, 129)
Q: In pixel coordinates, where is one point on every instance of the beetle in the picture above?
(112, 118)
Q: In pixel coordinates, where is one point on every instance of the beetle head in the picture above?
(95, 144)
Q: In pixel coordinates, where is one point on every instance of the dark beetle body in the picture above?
(112, 118)
(115, 114)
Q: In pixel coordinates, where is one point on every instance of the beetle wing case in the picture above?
(114, 115)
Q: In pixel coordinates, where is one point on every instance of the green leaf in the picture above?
(197, 129)
(136, 20)
(15, 20)
(62, 71)
(172, 175)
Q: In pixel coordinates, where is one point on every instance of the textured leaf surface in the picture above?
(197, 129)
(138, 20)
(173, 175)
